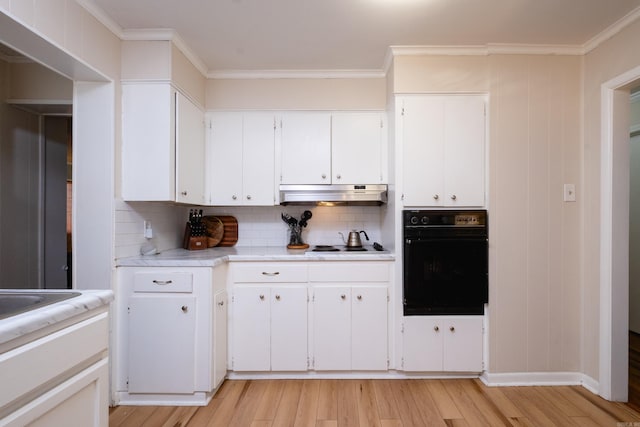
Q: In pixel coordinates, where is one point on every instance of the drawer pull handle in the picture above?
(266, 273)
(185, 308)
(163, 282)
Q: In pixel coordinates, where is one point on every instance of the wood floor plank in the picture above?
(368, 415)
(391, 423)
(584, 422)
(555, 398)
(387, 407)
(407, 408)
(327, 423)
(472, 415)
(617, 410)
(247, 405)
(495, 395)
(347, 403)
(270, 400)
(446, 407)
(489, 410)
(425, 404)
(288, 406)
(598, 415)
(158, 417)
(204, 414)
(180, 417)
(307, 412)
(136, 416)
(328, 400)
(521, 397)
(225, 412)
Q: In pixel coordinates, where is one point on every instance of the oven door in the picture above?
(445, 276)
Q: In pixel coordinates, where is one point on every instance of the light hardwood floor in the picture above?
(634, 370)
(385, 403)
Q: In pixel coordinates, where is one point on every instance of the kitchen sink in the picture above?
(15, 302)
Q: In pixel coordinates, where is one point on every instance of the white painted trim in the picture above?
(535, 379)
(612, 30)
(471, 50)
(534, 49)
(611, 355)
(102, 17)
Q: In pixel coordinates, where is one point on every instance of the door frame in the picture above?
(614, 236)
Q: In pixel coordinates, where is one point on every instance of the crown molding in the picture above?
(612, 30)
(533, 49)
(297, 74)
(166, 34)
(98, 13)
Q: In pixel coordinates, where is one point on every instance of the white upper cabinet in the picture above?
(333, 148)
(240, 159)
(162, 145)
(357, 148)
(189, 151)
(443, 150)
(305, 144)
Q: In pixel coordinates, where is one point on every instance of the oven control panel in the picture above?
(432, 219)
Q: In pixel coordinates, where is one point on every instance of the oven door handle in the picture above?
(411, 241)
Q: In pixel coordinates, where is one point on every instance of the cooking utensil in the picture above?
(353, 241)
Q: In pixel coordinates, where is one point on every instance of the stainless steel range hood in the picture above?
(334, 194)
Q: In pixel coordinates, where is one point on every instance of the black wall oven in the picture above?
(445, 262)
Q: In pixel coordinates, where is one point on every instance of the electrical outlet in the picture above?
(569, 193)
(148, 231)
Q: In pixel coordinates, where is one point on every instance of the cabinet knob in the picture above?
(324, 176)
(184, 193)
(343, 296)
(248, 197)
(261, 297)
(436, 328)
(452, 329)
(359, 297)
(184, 308)
(338, 176)
(453, 197)
(234, 197)
(436, 197)
(221, 303)
(278, 297)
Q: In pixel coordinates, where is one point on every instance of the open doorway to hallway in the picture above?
(634, 249)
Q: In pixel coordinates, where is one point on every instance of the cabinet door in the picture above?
(356, 148)
(306, 148)
(148, 142)
(464, 150)
(161, 343)
(422, 343)
(423, 131)
(462, 344)
(289, 328)
(251, 337)
(332, 328)
(224, 171)
(219, 338)
(189, 151)
(258, 168)
(369, 328)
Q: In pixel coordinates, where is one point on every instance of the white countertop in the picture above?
(214, 256)
(22, 324)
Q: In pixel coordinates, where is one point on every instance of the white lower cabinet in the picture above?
(167, 349)
(60, 379)
(442, 343)
(269, 317)
(350, 328)
(270, 328)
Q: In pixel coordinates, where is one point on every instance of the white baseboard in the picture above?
(540, 379)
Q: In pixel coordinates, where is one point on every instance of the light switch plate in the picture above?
(569, 193)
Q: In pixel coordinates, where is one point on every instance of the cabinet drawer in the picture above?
(163, 282)
(269, 273)
(349, 272)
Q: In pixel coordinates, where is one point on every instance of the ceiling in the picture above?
(259, 35)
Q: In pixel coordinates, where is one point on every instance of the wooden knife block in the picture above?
(193, 243)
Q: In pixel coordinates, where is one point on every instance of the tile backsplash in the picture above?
(257, 226)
